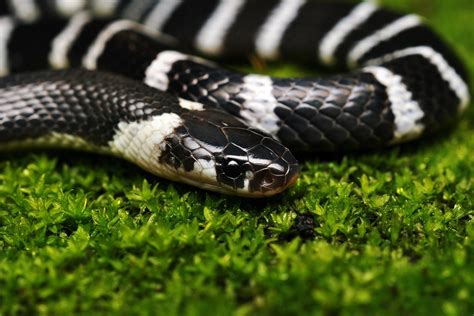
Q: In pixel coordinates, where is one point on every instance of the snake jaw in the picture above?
(251, 177)
(259, 168)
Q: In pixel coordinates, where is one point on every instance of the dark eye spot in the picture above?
(232, 169)
(268, 179)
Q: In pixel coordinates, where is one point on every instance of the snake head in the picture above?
(215, 151)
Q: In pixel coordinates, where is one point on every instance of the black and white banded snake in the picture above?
(217, 129)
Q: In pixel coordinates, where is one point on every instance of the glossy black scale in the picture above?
(338, 113)
(434, 96)
(333, 114)
(204, 84)
(75, 102)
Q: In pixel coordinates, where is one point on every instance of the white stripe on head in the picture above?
(97, 48)
(135, 9)
(161, 13)
(407, 111)
(211, 36)
(7, 26)
(104, 7)
(385, 33)
(156, 75)
(58, 56)
(456, 83)
(331, 41)
(269, 37)
(25, 10)
(258, 108)
(69, 7)
(143, 142)
(205, 168)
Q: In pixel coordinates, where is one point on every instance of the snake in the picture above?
(142, 80)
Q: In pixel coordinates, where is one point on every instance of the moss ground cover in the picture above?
(389, 231)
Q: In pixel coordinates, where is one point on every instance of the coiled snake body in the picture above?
(214, 128)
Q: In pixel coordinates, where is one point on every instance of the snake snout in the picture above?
(276, 171)
(256, 164)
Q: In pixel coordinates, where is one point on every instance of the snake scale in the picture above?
(123, 80)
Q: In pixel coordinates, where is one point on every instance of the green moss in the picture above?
(393, 230)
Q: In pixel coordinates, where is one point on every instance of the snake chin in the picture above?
(234, 177)
(255, 177)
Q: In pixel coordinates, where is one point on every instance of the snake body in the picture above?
(214, 128)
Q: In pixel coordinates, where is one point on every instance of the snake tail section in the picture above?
(406, 82)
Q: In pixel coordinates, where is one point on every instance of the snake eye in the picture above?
(268, 179)
(232, 169)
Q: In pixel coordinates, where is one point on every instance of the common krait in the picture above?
(406, 83)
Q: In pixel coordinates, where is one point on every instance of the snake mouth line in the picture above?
(264, 192)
